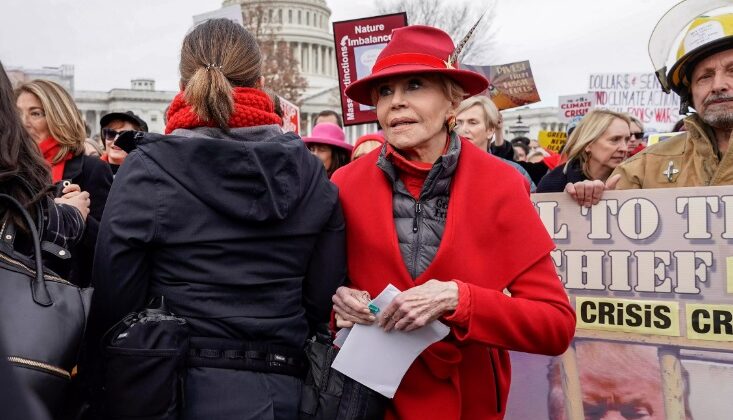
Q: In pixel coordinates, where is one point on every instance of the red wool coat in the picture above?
(493, 240)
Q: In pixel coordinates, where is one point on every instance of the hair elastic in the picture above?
(213, 66)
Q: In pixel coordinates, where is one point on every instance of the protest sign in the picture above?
(650, 274)
(291, 116)
(510, 85)
(638, 94)
(552, 140)
(574, 107)
(358, 43)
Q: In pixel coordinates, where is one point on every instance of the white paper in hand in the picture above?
(379, 359)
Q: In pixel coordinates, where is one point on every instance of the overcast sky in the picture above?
(111, 42)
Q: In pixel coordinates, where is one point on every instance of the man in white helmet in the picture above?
(703, 77)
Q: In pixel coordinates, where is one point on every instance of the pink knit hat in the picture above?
(330, 134)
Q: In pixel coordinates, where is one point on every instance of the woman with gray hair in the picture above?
(597, 145)
(479, 121)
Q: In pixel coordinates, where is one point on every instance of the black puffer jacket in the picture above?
(241, 232)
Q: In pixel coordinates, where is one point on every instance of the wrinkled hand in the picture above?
(350, 307)
(416, 307)
(588, 193)
(75, 197)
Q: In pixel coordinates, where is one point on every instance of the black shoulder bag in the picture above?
(329, 394)
(42, 316)
(144, 364)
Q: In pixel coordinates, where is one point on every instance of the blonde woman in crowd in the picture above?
(595, 148)
(50, 116)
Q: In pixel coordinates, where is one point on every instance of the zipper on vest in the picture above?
(418, 210)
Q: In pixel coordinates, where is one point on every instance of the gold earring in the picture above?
(451, 123)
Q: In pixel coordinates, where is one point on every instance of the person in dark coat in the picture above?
(235, 223)
(52, 120)
(598, 144)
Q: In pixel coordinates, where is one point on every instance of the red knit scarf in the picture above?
(252, 107)
(50, 148)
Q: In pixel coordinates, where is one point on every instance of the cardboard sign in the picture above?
(638, 94)
(291, 116)
(358, 43)
(552, 140)
(510, 85)
(650, 274)
(574, 107)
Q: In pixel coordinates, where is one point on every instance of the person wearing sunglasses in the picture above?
(636, 143)
(114, 124)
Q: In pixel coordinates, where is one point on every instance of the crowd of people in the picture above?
(259, 238)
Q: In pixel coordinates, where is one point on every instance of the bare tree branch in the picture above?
(454, 17)
(279, 65)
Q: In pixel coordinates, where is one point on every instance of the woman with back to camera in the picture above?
(440, 233)
(596, 146)
(234, 222)
(50, 116)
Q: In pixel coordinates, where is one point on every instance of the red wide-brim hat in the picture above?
(414, 50)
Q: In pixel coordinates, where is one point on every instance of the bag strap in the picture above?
(38, 284)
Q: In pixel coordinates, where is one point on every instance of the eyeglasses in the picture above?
(638, 136)
(110, 134)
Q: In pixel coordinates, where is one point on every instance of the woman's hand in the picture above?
(75, 197)
(588, 193)
(350, 307)
(416, 307)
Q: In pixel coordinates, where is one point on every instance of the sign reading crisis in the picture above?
(358, 43)
(510, 85)
(574, 107)
(623, 257)
(638, 94)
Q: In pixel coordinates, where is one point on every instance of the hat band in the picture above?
(410, 59)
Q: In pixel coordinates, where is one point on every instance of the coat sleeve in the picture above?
(505, 151)
(326, 270)
(64, 224)
(629, 172)
(126, 234)
(536, 318)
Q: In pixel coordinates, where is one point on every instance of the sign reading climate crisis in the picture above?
(574, 107)
(358, 43)
(654, 263)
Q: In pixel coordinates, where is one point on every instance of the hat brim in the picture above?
(471, 82)
(677, 76)
(122, 116)
(330, 142)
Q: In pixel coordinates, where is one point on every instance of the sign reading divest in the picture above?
(510, 85)
(574, 107)
(358, 43)
(638, 94)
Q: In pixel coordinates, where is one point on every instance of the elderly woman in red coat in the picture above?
(453, 228)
